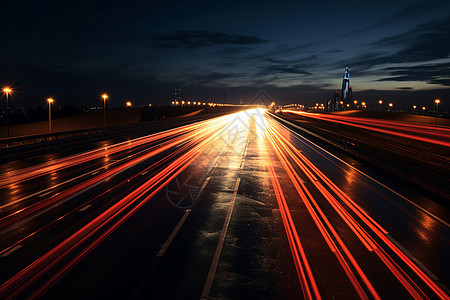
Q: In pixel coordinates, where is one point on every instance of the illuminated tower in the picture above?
(346, 89)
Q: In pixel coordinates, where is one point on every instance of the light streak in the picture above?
(315, 176)
(428, 134)
(192, 145)
(300, 260)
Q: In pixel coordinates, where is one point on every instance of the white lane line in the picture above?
(143, 173)
(215, 261)
(173, 234)
(373, 179)
(411, 257)
(181, 222)
(96, 172)
(13, 249)
(85, 207)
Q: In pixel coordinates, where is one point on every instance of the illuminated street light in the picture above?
(50, 101)
(414, 109)
(423, 110)
(380, 102)
(104, 96)
(129, 104)
(356, 102)
(437, 101)
(363, 104)
(7, 90)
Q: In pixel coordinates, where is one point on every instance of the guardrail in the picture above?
(32, 139)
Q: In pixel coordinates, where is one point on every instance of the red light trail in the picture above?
(167, 154)
(429, 134)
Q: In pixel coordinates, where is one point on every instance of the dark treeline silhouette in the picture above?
(20, 115)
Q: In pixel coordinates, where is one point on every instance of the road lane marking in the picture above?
(86, 207)
(93, 173)
(13, 249)
(414, 259)
(143, 173)
(173, 234)
(181, 222)
(369, 177)
(215, 261)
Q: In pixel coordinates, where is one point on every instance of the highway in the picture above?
(237, 206)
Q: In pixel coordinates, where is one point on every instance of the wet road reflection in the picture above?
(208, 182)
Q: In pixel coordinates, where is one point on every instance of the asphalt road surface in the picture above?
(234, 207)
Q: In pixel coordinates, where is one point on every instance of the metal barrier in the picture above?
(31, 139)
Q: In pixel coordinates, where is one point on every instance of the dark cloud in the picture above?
(211, 78)
(404, 88)
(198, 38)
(414, 9)
(283, 69)
(427, 42)
(276, 61)
(438, 73)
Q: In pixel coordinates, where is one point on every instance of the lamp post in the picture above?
(423, 110)
(380, 102)
(390, 105)
(363, 105)
(104, 96)
(414, 109)
(50, 101)
(437, 101)
(7, 90)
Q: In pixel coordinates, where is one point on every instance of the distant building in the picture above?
(333, 105)
(346, 92)
(177, 96)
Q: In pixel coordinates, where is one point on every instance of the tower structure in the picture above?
(346, 93)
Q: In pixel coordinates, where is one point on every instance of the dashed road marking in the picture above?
(215, 262)
(173, 234)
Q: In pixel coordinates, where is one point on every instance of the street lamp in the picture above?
(129, 104)
(414, 109)
(50, 101)
(104, 96)
(437, 101)
(380, 102)
(390, 105)
(7, 90)
(423, 110)
(356, 102)
(363, 105)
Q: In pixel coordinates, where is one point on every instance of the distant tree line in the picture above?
(166, 112)
(20, 115)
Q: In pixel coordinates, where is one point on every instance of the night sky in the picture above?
(296, 51)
